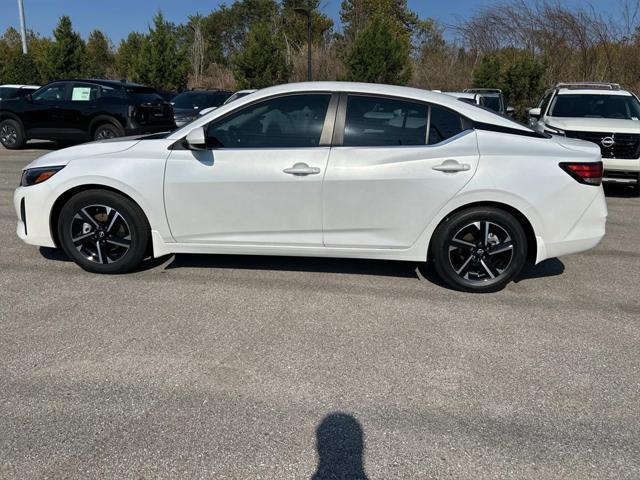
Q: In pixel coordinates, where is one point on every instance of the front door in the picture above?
(260, 182)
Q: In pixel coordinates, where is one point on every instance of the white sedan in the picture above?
(325, 169)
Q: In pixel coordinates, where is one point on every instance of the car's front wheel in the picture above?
(103, 232)
(479, 250)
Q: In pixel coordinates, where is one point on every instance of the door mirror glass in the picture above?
(196, 139)
(511, 111)
(535, 112)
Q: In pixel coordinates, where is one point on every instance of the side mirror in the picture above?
(535, 112)
(511, 111)
(197, 139)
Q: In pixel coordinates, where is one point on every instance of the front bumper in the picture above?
(33, 223)
(621, 170)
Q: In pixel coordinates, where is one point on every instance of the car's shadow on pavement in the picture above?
(382, 268)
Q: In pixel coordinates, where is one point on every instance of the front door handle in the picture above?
(302, 169)
(452, 166)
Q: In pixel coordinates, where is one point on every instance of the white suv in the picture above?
(602, 113)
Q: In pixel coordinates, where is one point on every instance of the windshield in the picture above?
(199, 100)
(595, 106)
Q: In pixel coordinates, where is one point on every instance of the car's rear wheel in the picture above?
(103, 232)
(107, 131)
(11, 134)
(479, 250)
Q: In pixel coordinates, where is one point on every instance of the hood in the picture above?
(92, 149)
(594, 124)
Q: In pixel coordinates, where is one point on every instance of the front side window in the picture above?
(51, 93)
(289, 121)
(378, 121)
(443, 125)
(595, 106)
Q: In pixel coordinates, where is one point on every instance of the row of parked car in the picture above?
(82, 110)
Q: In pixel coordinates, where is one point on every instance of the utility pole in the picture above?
(307, 13)
(23, 29)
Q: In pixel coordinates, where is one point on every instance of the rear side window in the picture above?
(378, 121)
(443, 125)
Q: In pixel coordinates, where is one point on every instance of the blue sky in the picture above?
(118, 17)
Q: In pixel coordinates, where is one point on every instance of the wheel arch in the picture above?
(5, 115)
(101, 120)
(532, 242)
(67, 194)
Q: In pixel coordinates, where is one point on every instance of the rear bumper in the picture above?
(587, 232)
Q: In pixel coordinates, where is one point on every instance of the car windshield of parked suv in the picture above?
(595, 106)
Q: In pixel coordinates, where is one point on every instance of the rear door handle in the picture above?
(302, 169)
(452, 166)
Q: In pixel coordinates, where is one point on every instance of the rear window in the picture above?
(144, 95)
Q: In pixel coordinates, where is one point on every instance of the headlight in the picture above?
(33, 176)
(553, 130)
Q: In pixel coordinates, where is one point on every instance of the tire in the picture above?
(11, 134)
(103, 232)
(479, 250)
(105, 131)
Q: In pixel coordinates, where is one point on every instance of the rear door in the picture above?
(393, 166)
(82, 106)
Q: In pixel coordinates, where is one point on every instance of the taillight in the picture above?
(587, 173)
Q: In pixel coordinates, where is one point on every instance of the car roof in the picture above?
(470, 111)
(592, 91)
(12, 85)
(106, 83)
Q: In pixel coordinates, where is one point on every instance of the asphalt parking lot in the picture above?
(274, 368)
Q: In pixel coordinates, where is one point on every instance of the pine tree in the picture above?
(66, 57)
(21, 69)
(262, 62)
(378, 55)
(128, 62)
(100, 58)
(166, 63)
